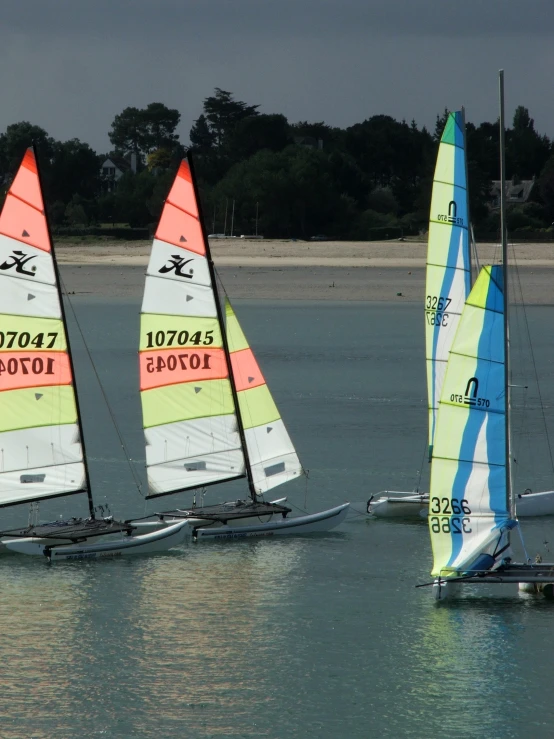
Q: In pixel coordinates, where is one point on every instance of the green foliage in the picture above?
(304, 179)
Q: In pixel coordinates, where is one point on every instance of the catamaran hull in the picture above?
(157, 541)
(406, 505)
(399, 505)
(297, 526)
(535, 504)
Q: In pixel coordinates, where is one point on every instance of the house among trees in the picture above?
(114, 167)
(517, 191)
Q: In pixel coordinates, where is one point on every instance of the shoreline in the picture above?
(285, 270)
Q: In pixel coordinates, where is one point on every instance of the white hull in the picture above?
(296, 526)
(535, 504)
(410, 505)
(157, 541)
(399, 505)
(244, 528)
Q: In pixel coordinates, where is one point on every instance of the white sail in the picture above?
(189, 418)
(40, 450)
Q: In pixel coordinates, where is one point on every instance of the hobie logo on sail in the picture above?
(452, 216)
(18, 260)
(470, 397)
(176, 265)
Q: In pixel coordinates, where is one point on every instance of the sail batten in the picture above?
(41, 454)
(468, 513)
(448, 258)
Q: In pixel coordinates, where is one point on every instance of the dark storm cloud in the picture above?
(170, 18)
(72, 65)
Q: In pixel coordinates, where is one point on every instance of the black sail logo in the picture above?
(176, 264)
(18, 260)
(472, 387)
(452, 216)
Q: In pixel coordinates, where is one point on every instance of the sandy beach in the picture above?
(298, 270)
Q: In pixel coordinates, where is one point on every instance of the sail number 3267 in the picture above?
(435, 307)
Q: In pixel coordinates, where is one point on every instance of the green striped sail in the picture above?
(448, 259)
(468, 507)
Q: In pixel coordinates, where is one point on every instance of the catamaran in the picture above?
(448, 283)
(42, 451)
(208, 415)
(472, 508)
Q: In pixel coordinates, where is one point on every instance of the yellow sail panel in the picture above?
(31, 334)
(185, 402)
(257, 407)
(37, 406)
(235, 335)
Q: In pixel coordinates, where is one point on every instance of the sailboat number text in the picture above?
(27, 365)
(435, 307)
(180, 338)
(24, 339)
(450, 525)
(158, 364)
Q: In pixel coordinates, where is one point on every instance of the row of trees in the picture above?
(302, 179)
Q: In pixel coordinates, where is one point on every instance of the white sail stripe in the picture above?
(268, 476)
(35, 261)
(40, 446)
(24, 298)
(183, 473)
(170, 297)
(181, 264)
(188, 439)
(263, 445)
(55, 480)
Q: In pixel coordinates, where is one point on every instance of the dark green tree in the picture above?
(222, 113)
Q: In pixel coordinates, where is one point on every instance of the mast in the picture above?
(504, 238)
(69, 354)
(220, 318)
(470, 261)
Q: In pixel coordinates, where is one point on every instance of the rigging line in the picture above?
(531, 352)
(115, 424)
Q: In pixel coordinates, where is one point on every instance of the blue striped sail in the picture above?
(468, 506)
(448, 259)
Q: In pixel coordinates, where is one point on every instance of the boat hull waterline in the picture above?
(408, 505)
(313, 523)
(156, 541)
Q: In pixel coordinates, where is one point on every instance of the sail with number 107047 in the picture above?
(468, 506)
(448, 258)
(40, 447)
(189, 417)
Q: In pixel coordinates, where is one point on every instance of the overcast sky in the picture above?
(71, 65)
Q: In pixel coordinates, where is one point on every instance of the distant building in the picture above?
(114, 167)
(517, 191)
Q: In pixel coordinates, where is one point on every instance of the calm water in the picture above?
(310, 637)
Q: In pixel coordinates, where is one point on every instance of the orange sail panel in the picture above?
(189, 418)
(40, 449)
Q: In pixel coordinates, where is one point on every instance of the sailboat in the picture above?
(208, 415)
(448, 281)
(42, 452)
(471, 507)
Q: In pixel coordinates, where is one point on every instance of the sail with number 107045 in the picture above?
(189, 417)
(468, 506)
(448, 258)
(40, 447)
